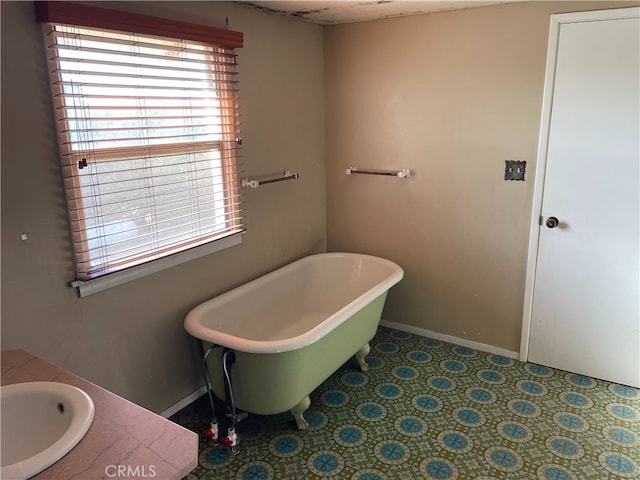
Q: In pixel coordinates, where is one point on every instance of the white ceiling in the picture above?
(344, 11)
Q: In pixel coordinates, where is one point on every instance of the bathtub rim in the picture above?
(193, 326)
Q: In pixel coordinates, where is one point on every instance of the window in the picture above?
(148, 132)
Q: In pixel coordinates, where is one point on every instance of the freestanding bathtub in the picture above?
(292, 328)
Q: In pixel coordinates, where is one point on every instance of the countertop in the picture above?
(122, 433)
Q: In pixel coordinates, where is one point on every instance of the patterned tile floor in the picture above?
(429, 409)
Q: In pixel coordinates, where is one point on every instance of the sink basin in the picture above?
(41, 423)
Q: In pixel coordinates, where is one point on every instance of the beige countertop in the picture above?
(122, 433)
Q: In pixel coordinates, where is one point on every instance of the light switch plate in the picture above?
(514, 170)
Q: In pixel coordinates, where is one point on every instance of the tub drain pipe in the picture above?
(228, 359)
(231, 440)
(213, 431)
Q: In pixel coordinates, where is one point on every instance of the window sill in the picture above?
(86, 288)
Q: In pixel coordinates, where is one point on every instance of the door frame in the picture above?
(557, 21)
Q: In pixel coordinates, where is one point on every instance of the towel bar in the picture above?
(286, 175)
(404, 173)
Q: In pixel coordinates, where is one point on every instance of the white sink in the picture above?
(41, 423)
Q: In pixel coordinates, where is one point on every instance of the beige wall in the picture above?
(130, 339)
(451, 96)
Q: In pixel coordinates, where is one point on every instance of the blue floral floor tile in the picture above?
(427, 409)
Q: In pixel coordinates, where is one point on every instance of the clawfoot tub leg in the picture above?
(298, 410)
(361, 355)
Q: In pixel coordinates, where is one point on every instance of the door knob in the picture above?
(552, 222)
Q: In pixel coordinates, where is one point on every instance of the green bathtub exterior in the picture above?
(272, 383)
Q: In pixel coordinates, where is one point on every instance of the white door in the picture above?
(585, 301)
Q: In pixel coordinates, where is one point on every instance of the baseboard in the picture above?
(192, 397)
(483, 347)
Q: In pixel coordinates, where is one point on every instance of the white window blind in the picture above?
(148, 131)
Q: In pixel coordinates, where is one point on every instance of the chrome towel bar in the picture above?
(404, 173)
(286, 175)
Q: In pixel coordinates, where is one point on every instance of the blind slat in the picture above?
(199, 61)
(61, 35)
(205, 88)
(135, 118)
(69, 36)
(147, 106)
(140, 240)
(95, 66)
(79, 237)
(193, 138)
(135, 153)
(101, 269)
(86, 211)
(142, 127)
(135, 240)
